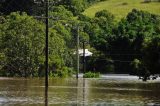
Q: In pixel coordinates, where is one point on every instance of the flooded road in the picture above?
(109, 91)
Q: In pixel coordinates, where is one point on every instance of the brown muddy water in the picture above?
(81, 92)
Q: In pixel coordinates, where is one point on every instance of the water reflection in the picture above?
(46, 96)
(84, 92)
(81, 92)
(78, 92)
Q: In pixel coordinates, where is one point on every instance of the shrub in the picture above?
(62, 73)
(124, 3)
(91, 75)
(135, 66)
(147, 1)
(139, 69)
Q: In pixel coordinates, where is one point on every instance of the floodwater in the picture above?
(111, 91)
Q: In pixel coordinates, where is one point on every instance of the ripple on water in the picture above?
(98, 92)
(3, 100)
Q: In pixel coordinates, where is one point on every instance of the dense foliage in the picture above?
(129, 46)
(22, 45)
(136, 37)
(91, 75)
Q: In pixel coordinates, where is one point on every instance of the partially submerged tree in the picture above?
(22, 44)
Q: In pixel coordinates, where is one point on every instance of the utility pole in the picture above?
(46, 38)
(77, 51)
(46, 53)
(46, 48)
(84, 59)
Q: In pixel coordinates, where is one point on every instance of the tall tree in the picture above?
(22, 44)
(151, 52)
(131, 34)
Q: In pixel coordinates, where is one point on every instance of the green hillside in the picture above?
(120, 8)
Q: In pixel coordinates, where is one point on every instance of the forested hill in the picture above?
(120, 8)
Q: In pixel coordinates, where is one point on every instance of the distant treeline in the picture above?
(129, 46)
(34, 7)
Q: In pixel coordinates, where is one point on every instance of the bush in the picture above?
(135, 66)
(91, 75)
(62, 73)
(147, 1)
(139, 69)
(124, 3)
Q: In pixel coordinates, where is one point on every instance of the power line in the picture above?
(112, 61)
(125, 54)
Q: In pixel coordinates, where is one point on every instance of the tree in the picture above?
(60, 13)
(76, 6)
(151, 52)
(61, 25)
(130, 36)
(2, 57)
(22, 45)
(101, 29)
(57, 50)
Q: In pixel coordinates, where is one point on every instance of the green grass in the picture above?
(120, 8)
